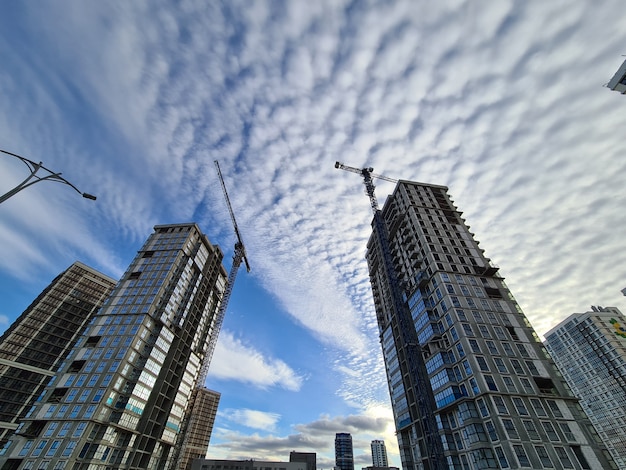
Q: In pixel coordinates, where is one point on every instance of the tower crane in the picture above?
(238, 257)
(190, 445)
(367, 174)
(416, 377)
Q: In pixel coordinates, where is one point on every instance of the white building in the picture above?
(379, 454)
(590, 350)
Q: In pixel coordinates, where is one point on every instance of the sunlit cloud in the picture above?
(234, 360)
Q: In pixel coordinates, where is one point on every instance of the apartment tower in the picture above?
(121, 396)
(310, 458)
(344, 457)
(470, 384)
(37, 342)
(379, 454)
(590, 350)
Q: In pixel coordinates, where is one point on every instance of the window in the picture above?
(550, 431)
(509, 427)
(484, 331)
(500, 405)
(491, 384)
(49, 411)
(65, 428)
(474, 346)
(528, 387)
(491, 430)
(69, 448)
(40, 447)
(78, 432)
(504, 463)
(53, 448)
(520, 407)
(531, 430)
(51, 428)
(508, 350)
(522, 349)
(538, 407)
(521, 456)
(544, 457)
(482, 406)
(567, 432)
(554, 408)
(75, 411)
(532, 368)
(84, 395)
(492, 347)
(26, 448)
(500, 365)
(508, 382)
(482, 363)
(561, 453)
(517, 367)
(467, 328)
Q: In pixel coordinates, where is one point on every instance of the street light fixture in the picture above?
(34, 168)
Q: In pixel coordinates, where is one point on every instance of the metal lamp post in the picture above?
(34, 178)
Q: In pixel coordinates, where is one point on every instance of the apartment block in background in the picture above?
(470, 383)
(379, 454)
(37, 342)
(344, 454)
(120, 398)
(310, 458)
(590, 350)
(205, 403)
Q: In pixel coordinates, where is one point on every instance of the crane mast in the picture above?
(238, 257)
(189, 443)
(417, 376)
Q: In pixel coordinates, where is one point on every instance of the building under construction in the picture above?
(470, 383)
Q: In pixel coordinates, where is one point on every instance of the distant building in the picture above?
(310, 458)
(209, 464)
(120, 399)
(344, 457)
(590, 350)
(618, 82)
(379, 454)
(470, 384)
(37, 342)
(205, 403)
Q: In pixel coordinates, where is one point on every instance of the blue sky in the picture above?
(504, 102)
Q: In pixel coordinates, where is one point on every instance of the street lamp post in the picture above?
(34, 178)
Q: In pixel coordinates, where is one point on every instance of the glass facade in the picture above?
(479, 370)
(120, 398)
(590, 350)
(38, 341)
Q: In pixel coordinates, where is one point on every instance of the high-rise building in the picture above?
(310, 458)
(204, 403)
(590, 350)
(379, 454)
(470, 383)
(37, 342)
(344, 457)
(618, 81)
(122, 394)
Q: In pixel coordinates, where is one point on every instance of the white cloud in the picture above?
(263, 420)
(234, 360)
